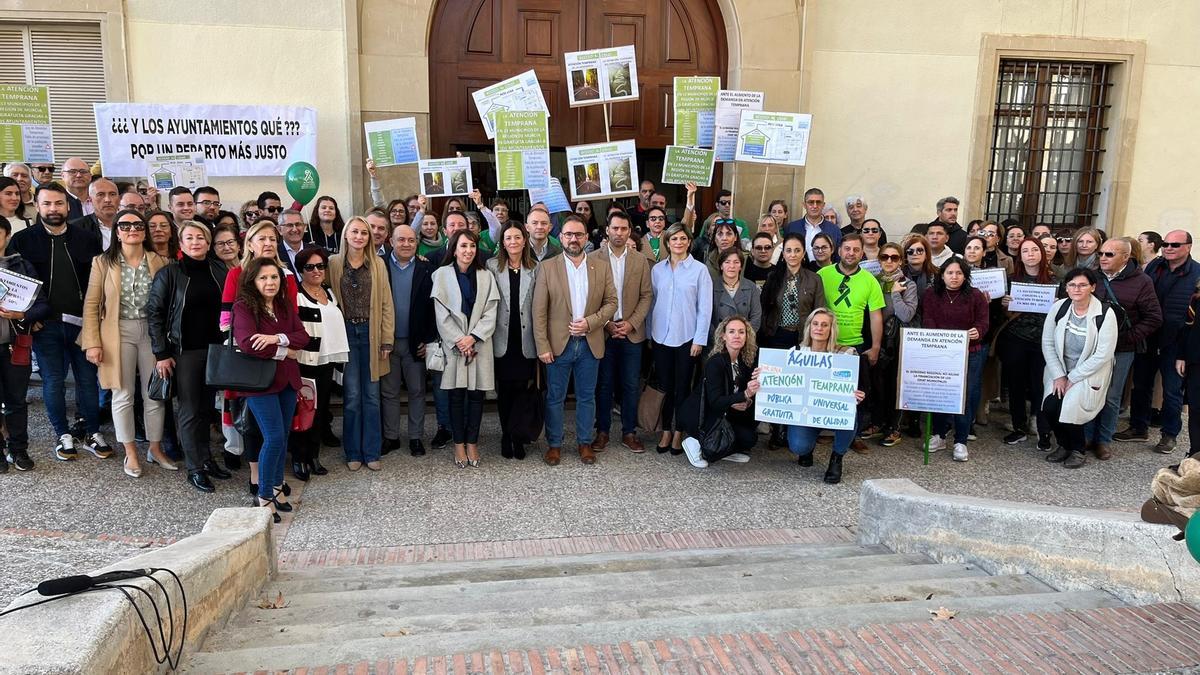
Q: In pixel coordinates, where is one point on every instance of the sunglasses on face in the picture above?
(724, 202)
(311, 267)
(892, 257)
(915, 251)
(763, 248)
(273, 209)
(131, 227)
(870, 230)
(1107, 254)
(43, 169)
(1063, 240)
(1174, 244)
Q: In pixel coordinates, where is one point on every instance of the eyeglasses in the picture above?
(291, 225)
(75, 172)
(820, 248)
(1079, 287)
(763, 248)
(1108, 254)
(573, 235)
(915, 251)
(890, 257)
(1175, 244)
(272, 209)
(131, 226)
(311, 267)
(987, 233)
(208, 202)
(228, 243)
(396, 211)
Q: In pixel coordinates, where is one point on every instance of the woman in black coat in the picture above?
(728, 389)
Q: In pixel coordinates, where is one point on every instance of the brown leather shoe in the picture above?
(586, 455)
(601, 441)
(1103, 452)
(858, 446)
(632, 442)
(552, 456)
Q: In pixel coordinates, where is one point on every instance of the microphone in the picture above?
(82, 582)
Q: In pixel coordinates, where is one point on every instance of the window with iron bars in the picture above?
(1047, 142)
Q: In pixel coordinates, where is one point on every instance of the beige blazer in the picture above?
(635, 292)
(552, 305)
(102, 314)
(383, 314)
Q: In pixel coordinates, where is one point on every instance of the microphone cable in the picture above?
(80, 584)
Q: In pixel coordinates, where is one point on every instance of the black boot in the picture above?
(300, 471)
(316, 468)
(506, 447)
(778, 437)
(805, 460)
(211, 468)
(833, 475)
(200, 481)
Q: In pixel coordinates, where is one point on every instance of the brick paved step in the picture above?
(324, 580)
(483, 613)
(333, 648)
(345, 615)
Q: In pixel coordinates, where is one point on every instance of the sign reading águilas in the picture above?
(807, 389)
(235, 140)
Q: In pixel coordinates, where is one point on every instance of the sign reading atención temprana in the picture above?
(807, 389)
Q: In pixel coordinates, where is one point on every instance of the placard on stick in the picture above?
(599, 76)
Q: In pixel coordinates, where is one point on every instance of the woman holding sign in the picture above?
(1020, 349)
(900, 308)
(1079, 339)
(727, 391)
(951, 304)
(821, 335)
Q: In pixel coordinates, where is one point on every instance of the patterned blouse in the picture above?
(356, 293)
(135, 289)
(789, 305)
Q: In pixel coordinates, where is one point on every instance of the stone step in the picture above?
(333, 648)
(475, 613)
(552, 569)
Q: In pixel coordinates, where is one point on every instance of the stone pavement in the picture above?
(78, 515)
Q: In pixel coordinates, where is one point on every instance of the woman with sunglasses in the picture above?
(249, 214)
(116, 335)
(900, 308)
(1066, 251)
(653, 245)
(326, 326)
(871, 232)
(918, 264)
(183, 312)
(994, 254)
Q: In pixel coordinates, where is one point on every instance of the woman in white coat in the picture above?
(465, 300)
(1079, 338)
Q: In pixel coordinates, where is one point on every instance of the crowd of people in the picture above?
(642, 312)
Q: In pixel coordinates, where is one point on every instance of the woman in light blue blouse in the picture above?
(679, 326)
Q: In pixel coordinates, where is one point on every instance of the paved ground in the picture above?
(105, 515)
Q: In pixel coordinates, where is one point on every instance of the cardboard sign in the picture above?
(807, 389)
(602, 76)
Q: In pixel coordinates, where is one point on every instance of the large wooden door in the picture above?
(475, 43)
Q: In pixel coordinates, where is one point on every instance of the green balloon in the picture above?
(1192, 535)
(302, 182)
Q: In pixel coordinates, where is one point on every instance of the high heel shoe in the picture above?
(473, 463)
(300, 471)
(165, 464)
(286, 489)
(286, 507)
(269, 503)
(316, 468)
(461, 465)
(135, 472)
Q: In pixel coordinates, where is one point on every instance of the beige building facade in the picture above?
(908, 98)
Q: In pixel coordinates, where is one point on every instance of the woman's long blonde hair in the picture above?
(749, 352)
(831, 345)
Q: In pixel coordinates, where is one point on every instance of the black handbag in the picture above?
(227, 368)
(239, 411)
(717, 441)
(160, 388)
(529, 408)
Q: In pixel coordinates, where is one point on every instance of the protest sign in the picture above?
(392, 142)
(695, 110)
(873, 267)
(522, 150)
(807, 389)
(688, 165)
(519, 92)
(1036, 298)
(730, 104)
(235, 140)
(933, 370)
(992, 281)
(773, 137)
(25, 134)
(602, 170)
(167, 172)
(552, 196)
(602, 76)
(445, 177)
(17, 291)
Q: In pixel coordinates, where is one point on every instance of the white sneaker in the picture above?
(691, 448)
(738, 457)
(98, 446)
(65, 450)
(960, 452)
(935, 443)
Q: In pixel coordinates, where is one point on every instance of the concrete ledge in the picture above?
(98, 632)
(1069, 548)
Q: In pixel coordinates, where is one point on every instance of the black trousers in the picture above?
(195, 399)
(14, 381)
(306, 445)
(466, 414)
(1070, 436)
(1193, 403)
(506, 394)
(1023, 363)
(673, 367)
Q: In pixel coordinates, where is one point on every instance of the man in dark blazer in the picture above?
(411, 281)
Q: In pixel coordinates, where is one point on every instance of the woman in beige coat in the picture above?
(359, 282)
(116, 335)
(465, 302)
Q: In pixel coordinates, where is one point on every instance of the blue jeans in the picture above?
(1101, 429)
(362, 430)
(962, 423)
(622, 362)
(802, 440)
(576, 359)
(1149, 365)
(56, 351)
(273, 412)
(441, 401)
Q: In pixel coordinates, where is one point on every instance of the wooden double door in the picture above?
(475, 43)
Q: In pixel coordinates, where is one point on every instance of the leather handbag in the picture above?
(529, 407)
(160, 388)
(306, 405)
(21, 349)
(435, 357)
(717, 441)
(230, 369)
(650, 403)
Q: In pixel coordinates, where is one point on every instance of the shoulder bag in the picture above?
(228, 368)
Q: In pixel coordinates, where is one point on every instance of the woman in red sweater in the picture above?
(951, 304)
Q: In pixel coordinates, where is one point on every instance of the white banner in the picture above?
(235, 140)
